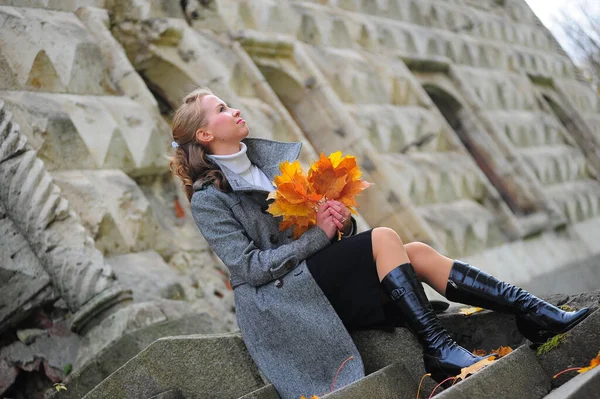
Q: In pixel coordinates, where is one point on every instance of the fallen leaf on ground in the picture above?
(593, 363)
(60, 386)
(502, 351)
(472, 369)
(469, 311)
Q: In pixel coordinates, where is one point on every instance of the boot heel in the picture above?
(530, 331)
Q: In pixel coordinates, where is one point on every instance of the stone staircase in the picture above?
(218, 365)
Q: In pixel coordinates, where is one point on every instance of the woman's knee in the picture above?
(385, 234)
(418, 250)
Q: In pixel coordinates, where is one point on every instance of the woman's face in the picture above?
(224, 128)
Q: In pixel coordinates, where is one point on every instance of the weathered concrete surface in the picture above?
(576, 348)
(391, 382)
(24, 283)
(517, 375)
(483, 330)
(380, 349)
(476, 180)
(583, 386)
(574, 278)
(216, 366)
(171, 394)
(148, 276)
(129, 345)
(112, 208)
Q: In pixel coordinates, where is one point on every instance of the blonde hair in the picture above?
(190, 162)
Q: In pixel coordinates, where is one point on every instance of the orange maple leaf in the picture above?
(593, 363)
(500, 352)
(337, 178)
(479, 352)
(298, 196)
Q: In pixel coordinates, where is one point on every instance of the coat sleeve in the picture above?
(228, 238)
(354, 229)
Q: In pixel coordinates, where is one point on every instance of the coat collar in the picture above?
(267, 155)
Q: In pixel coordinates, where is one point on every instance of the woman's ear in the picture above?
(204, 136)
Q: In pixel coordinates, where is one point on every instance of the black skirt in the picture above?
(346, 273)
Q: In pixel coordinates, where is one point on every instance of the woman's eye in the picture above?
(222, 109)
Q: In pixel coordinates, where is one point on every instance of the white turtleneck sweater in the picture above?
(240, 164)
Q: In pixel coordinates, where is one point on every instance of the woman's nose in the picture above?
(236, 112)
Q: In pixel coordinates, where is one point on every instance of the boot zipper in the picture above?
(453, 284)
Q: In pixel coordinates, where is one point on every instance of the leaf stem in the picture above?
(564, 371)
(421, 383)
(438, 385)
(338, 371)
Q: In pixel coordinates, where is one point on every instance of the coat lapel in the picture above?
(267, 155)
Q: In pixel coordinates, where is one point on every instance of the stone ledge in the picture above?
(584, 386)
(127, 347)
(391, 382)
(216, 366)
(575, 349)
(517, 375)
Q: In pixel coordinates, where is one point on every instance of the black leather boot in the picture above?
(537, 320)
(443, 357)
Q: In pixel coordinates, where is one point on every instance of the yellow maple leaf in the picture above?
(593, 363)
(472, 369)
(298, 196)
(469, 311)
(59, 386)
(479, 352)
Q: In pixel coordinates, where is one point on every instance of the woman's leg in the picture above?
(443, 357)
(388, 250)
(431, 267)
(460, 282)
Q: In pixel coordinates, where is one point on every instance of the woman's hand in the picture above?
(326, 220)
(341, 215)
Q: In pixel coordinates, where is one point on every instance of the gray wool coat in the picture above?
(290, 329)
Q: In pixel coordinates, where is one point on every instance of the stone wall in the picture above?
(481, 137)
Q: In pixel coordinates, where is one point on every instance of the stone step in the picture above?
(573, 349)
(483, 330)
(198, 366)
(170, 394)
(583, 386)
(391, 382)
(517, 375)
(104, 363)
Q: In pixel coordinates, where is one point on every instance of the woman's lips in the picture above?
(240, 121)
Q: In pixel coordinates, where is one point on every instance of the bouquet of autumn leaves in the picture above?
(298, 196)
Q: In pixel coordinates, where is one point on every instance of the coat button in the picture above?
(273, 238)
(279, 283)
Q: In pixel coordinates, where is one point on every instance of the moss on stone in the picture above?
(567, 308)
(551, 344)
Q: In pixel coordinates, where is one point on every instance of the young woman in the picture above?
(296, 300)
